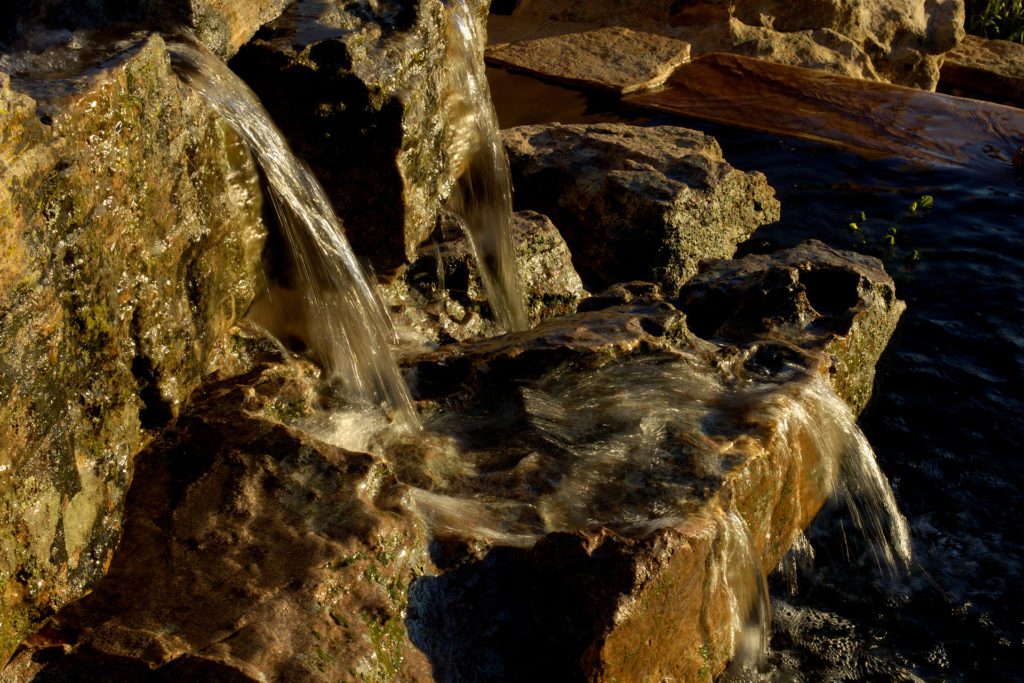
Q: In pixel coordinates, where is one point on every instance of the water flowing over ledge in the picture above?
(336, 307)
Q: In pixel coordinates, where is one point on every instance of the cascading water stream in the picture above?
(338, 309)
(482, 194)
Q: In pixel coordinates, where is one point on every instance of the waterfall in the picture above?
(482, 194)
(339, 312)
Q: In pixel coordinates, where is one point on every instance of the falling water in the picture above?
(482, 195)
(649, 443)
(337, 309)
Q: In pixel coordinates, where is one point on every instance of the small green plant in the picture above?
(1003, 19)
(869, 237)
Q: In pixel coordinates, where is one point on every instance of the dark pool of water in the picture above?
(947, 417)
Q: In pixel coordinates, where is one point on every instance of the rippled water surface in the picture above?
(947, 417)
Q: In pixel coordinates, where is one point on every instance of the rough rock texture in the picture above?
(131, 237)
(899, 42)
(606, 604)
(812, 295)
(222, 25)
(618, 59)
(362, 97)
(986, 69)
(441, 296)
(251, 552)
(637, 203)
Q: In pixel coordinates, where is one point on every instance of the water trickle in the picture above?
(330, 298)
(482, 193)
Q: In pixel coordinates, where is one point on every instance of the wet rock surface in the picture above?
(362, 96)
(605, 593)
(251, 552)
(441, 297)
(637, 203)
(811, 295)
(132, 232)
(986, 69)
(618, 59)
(900, 42)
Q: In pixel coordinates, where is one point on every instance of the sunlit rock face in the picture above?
(899, 42)
(637, 203)
(360, 91)
(131, 241)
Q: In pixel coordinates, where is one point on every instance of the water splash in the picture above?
(330, 300)
(482, 194)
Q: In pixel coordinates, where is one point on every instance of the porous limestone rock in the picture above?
(441, 296)
(899, 42)
(362, 93)
(811, 295)
(131, 239)
(637, 203)
(986, 69)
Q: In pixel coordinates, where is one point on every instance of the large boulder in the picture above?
(251, 552)
(898, 42)
(637, 203)
(131, 232)
(618, 481)
(364, 94)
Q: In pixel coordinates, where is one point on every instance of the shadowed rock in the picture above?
(250, 552)
(361, 94)
(986, 69)
(637, 203)
(811, 295)
(441, 296)
(131, 232)
(222, 25)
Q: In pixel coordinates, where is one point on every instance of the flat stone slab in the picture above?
(986, 69)
(614, 58)
(874, 119)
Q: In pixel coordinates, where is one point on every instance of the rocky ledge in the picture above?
(262, 552)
